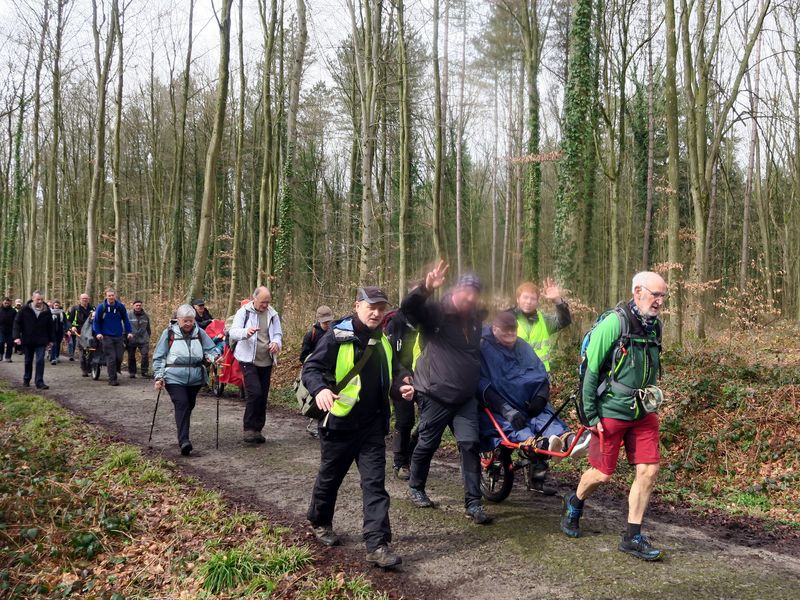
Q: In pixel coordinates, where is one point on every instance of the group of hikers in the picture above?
(437, 354)
(434, 362)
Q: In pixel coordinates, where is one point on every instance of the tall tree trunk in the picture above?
(460, 144)
(102, 66)
(117, 155)
(404, 150)
(210, 179)
(651, 142)
(237, 186)
(438, 125)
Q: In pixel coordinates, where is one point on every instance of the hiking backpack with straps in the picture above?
(614, 354)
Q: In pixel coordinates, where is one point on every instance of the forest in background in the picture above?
(584, 139)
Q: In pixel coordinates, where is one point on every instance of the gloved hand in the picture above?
(518, 421)
(536, 405)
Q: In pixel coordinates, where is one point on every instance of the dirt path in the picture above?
(522, 555)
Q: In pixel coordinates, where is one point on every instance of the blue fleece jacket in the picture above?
(111, 319)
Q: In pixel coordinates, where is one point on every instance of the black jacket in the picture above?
(402, 333)
(33, 330)
(7, 316)
(449, 367)
(77, 316)
(310, 341)
(204, 320)
(320, 368)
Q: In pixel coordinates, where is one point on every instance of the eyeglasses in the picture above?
(657, 295)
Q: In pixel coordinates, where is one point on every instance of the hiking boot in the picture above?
(9, 360)
(639, 546)
(478, 515)
(53, 362)
(540, 486)
(570, 517)
(132, 375)
(313, 428)
(419, 498)
(43, 386)
(113, 382)
(326, 536)
(26, 384)
(403, 473)
(186, 448)
(145, 375)
(84, 374)
(71, 359)
(383, 557)
(253, 437)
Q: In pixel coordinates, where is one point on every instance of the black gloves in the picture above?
(518, 421)
(536, 405)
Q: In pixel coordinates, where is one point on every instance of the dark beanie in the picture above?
(469, 280)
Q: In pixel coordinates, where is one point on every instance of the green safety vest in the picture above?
(536, 336)
(415, 352)
(345, 360)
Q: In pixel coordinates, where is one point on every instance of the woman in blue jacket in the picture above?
(178, 366)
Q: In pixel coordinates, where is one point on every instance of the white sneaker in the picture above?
(555, 444)
(581, 449)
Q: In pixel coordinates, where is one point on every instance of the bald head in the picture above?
(649, 292)
(261, 298)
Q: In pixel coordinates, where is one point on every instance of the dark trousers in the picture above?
(434, 417)
(113, 349)
(86, 365)
(144, 350)
(183, 398)
(404, 437)
(6, 345)
(30, 352)
(256, 390)
(338, 450)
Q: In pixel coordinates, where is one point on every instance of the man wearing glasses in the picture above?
(620, 397)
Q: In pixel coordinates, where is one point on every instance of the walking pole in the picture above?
(555, 414)
(153, 424)
(217, 445)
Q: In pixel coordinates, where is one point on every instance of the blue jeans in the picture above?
(30, 351)
(55, 350)
(73, 341)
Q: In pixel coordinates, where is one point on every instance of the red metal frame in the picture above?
(504, 441)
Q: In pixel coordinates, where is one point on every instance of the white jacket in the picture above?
(247, 317)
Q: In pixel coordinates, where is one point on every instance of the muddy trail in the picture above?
(522, 555)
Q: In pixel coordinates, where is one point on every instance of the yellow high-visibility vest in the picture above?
(536, 335)
(345, 361)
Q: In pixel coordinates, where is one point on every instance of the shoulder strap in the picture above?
(356, 369)
(170, 337)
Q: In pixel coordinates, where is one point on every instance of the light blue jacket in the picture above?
(181, 363)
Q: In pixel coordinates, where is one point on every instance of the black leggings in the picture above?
(184, 398)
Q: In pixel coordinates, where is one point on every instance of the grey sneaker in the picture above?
(253, 437)
(325, 534)
(419, 498)
(478, 515)
(640, 547)
(403, 473)
(383, 557)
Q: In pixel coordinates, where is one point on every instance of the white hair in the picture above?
(258, 290)
(641, 278)
(185, 310)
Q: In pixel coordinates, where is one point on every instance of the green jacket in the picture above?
(637, 368)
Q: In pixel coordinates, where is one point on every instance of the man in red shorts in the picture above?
(622, 366)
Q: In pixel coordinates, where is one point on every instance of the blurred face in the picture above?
(650, 297)
(84, 300)
(325, 326)
(137, 306)
(111, 297)
(465, 299)
(528, 302)
(507, 337)
(186, 324)
(200, 308)
(56, 304)
(6, 303)
(38, 301)
(370, 315)
(262, 300)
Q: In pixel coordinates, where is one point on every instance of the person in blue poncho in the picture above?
(515, 386)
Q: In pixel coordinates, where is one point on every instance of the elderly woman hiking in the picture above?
(178, 366)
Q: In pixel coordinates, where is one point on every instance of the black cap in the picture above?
(137, 301)
(199, 302)
(505, 320)
(372, 294)
(469, 280)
